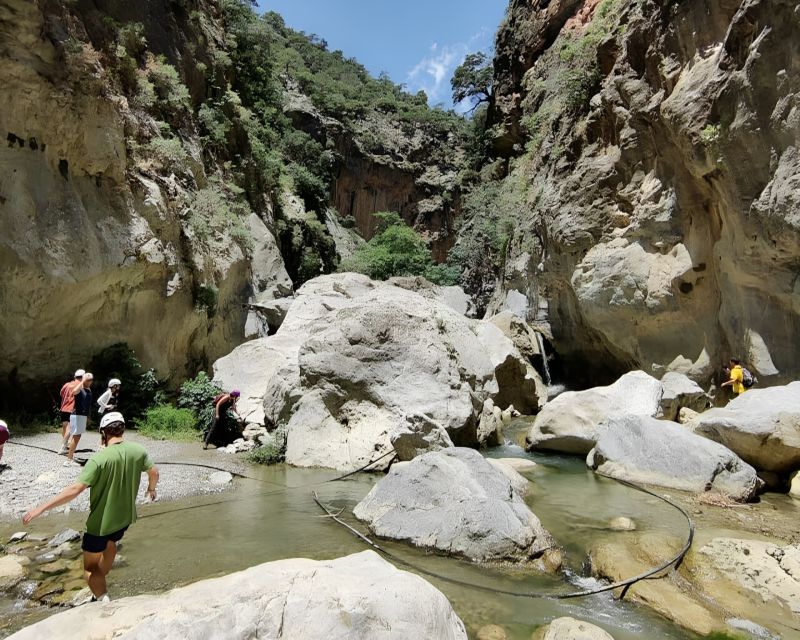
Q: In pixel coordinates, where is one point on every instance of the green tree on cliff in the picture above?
(473, 79)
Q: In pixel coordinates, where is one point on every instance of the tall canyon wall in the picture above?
(658, 145)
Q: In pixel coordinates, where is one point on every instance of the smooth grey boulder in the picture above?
(354, 357)
(569, 423)
(645, 450)
(358, 597)
(570, 629)
(455, 501)
(681, 392)
(762, 426)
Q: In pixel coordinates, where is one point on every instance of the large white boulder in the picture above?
(455, 501)
(359, 597)
(354, 357)
(569, 423)
(648, 451)
(762, 426)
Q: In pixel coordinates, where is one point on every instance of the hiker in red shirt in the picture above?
(67, 407)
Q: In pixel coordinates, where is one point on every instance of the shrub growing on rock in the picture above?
(397, 250)
(273, 451)
(197, 395)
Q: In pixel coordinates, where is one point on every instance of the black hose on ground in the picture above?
(623, 584)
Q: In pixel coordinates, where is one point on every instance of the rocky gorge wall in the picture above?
(384, 164)
(96, 246)
(658, 145)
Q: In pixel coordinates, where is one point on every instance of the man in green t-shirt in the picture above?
(113, 475)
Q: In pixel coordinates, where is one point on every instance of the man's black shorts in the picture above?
(97, 544)
(65, 416)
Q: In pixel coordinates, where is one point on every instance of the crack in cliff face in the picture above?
(673, 146)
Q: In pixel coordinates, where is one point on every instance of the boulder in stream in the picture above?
(569, 423)
(457, 502)
(358, 597)
(570, 629)
(762, 426)
(12, 571)
(649, 451)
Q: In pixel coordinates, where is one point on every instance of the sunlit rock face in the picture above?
(96, 247)
(658, 144)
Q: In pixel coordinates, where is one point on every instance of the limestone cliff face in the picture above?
(96, 246)
(659, 147)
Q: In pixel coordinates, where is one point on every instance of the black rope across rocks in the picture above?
(674, 562)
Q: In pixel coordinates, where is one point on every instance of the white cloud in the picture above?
(432, 74)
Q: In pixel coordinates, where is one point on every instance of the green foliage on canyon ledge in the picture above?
(397, 250)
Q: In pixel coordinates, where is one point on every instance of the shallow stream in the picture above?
(180, 542)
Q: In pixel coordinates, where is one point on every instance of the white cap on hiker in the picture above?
(3, 424)
(114, 382)
(80, 373)
(111, 418)
(88, 376)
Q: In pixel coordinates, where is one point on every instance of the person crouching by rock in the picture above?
(222, 403)
(109, 401)
(82, 390)
(4, 436)
(113, 477)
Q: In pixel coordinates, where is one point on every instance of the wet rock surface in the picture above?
(570, 629)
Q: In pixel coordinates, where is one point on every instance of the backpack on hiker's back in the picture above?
(748, 379)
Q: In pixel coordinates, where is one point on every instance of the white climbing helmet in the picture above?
(111, 418)
(114, 382)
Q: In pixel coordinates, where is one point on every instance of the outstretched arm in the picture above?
(67, 495)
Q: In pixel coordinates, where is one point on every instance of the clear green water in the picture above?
(181, 542)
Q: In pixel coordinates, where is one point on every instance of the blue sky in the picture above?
(417, 42)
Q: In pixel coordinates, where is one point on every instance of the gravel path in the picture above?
(34, 475)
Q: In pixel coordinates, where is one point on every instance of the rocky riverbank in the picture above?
(35, 473)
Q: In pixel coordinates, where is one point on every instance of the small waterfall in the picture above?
(545, 367)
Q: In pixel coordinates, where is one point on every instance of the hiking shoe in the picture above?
(104, 598)
(71, 463)
(63, 450)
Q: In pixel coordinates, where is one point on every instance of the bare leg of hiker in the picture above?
(97, 566)
(73, 444)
